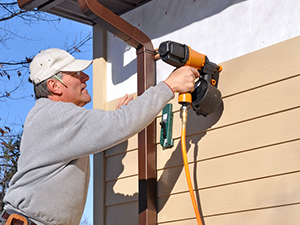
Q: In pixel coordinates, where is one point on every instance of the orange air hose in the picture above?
(186, 166)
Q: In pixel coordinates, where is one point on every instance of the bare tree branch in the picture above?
(12, 15)
(22, 62)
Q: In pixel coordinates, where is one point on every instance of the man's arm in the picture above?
(180, 80)
(83, 132)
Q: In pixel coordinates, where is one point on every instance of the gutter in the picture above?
(30, 4)
(102, 16)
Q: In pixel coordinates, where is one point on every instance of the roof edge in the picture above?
(99, 14)
(31, 4)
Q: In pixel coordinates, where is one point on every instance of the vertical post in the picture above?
(99, 102)
(146, 145)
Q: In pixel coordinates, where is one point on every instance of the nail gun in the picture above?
(206, 97)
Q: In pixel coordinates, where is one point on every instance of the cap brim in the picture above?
(77, 65)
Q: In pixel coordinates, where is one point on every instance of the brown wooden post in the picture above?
(146, 145)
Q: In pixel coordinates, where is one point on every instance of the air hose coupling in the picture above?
(184, 113)
(185, 100)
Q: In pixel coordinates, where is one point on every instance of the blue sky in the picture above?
(29, 40)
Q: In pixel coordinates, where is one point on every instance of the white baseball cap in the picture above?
(51, 61)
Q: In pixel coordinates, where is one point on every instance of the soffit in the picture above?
(70, 9)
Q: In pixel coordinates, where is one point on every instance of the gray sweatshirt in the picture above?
(51, 184)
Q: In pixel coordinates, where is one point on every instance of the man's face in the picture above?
(76, 91)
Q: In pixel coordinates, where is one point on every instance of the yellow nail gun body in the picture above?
(206, 97)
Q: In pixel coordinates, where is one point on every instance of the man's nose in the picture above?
(84, 77)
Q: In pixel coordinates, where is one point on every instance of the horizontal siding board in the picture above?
(262, 101)
(128, 145)
(256, 133)
(174, 207)
(260, 67)
(123, 214)
(256, 164)
(287, 215)
(246, 196)
(121, 191)
(181, 222)
(121, 165)
(273, 191)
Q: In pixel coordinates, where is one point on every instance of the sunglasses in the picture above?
(75, 74)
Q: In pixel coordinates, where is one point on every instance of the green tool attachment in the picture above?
(166, 123)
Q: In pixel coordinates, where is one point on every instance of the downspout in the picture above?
(146, 78)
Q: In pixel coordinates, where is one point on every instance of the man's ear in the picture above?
(54, 87)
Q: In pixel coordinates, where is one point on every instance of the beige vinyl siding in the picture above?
(245, 157)
(121, 185)
(121, 181)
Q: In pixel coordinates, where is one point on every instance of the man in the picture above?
(51, 184)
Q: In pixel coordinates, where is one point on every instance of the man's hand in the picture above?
(182, 80)
(124, 101)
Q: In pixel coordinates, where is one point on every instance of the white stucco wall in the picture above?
(221, 29)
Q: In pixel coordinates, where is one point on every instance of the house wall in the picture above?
(243, 157)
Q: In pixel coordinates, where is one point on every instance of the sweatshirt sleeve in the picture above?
(72, 132)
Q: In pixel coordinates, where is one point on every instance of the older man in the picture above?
(51, 184)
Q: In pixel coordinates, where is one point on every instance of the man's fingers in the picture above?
(124, 100)
(195, 72)
(120, 103)
(127, 99)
